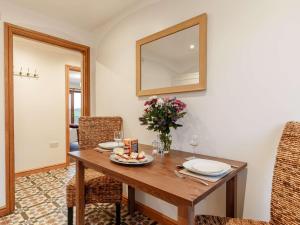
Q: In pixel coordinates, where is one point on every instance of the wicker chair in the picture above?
(285, 203)
(99, 188)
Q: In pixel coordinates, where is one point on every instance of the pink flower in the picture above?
(166, 99)
(160, 102)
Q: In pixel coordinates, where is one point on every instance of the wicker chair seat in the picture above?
(216, 220)
(99, 189)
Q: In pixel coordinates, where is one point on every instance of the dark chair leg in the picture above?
(118, 213)
(70, 215)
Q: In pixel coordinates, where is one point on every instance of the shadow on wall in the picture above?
(181, 140)
(241, 191)
(215, 204)
(182, 136)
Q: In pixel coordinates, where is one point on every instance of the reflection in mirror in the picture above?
(75, 96)
(172, 60)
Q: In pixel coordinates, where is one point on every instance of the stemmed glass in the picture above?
(194, 142)
(118, 137)
(155, 148)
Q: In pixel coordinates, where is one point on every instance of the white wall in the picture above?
(39, 104)
(32, 20)
(253, 86)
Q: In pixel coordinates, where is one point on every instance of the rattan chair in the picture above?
(285, 203)
(99, 188)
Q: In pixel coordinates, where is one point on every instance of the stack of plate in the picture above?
(207, 167)
(110, 145)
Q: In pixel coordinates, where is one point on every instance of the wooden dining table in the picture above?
(157, 179)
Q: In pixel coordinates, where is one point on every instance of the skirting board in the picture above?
(40, 170)
(152, 213)
(4, 211)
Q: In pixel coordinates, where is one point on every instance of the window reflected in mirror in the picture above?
(75, 104)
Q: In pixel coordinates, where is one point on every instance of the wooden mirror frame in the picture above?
(200, 20)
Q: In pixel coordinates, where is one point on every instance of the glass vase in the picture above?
(166, 141)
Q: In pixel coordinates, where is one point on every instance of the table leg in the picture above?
(185, 215)
(80, 198)
(231, 197)
(131, 200)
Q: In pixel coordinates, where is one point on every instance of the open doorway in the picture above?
(31, 76)
(39, 104)
(74, 104)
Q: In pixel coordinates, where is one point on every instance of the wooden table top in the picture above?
(158, 178)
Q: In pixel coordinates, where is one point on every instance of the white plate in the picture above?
(148, 160)
(206, 167)
(110, 145)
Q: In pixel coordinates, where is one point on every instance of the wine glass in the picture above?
(155, 147)
(194, 142)
(118, 137)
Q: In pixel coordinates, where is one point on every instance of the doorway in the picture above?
(73, 105)
(10, 31)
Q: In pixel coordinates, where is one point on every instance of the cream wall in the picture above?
(20, 16)
(253, 87)
(39, 104)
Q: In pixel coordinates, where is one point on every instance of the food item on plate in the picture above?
(134, 157)
(122, 158)
(141, 155)
(119, 151)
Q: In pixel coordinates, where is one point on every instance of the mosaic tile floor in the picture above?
(40, 200)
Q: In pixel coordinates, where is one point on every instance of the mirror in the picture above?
(173, 60)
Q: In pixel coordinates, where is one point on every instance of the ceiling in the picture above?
(86, 14)
(175, 51)
(176, 46)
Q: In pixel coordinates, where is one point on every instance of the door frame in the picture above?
(9, 31)
(69, 68)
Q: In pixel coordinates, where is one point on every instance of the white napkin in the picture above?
(208, 178)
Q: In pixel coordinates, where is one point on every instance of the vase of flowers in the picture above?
(160, 115)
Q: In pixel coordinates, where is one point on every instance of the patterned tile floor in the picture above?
(40, 200)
